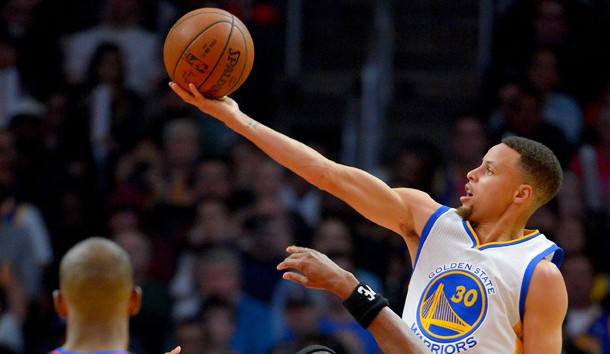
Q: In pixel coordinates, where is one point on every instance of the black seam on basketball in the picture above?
(241, 73)
(191, 42)
(221, 53)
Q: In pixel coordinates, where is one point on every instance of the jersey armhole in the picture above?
(555, 253)
(426, 231)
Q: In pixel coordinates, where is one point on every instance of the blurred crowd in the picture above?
(92, 142)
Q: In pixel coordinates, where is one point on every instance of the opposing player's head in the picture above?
(517, 171)
(96, 282)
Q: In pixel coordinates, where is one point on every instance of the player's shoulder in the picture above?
(546, 279)
(547, 270)
(419, 199)
(547, 296)
(420, 207)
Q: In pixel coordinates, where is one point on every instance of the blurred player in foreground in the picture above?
(96, 296)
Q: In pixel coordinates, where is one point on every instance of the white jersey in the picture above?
(465, 297)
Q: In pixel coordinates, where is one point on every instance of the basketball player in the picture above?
(96, 296)
(481, 283)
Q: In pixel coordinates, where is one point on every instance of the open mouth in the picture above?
(468, 194)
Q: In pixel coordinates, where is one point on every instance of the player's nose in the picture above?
(472, 175)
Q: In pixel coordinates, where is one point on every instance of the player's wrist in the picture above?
(346, 285)
(364, 304)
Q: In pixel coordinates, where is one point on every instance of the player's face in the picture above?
(491, 187)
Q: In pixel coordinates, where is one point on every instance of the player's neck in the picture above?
(93, 337)
(498, 231)
(509, 225)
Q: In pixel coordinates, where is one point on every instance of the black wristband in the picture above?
(364, 304)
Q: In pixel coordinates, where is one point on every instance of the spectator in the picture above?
(558, 107)
(119, 24)
(219, 318)
(10, 79)
(24, 236)
(334, 238)
(112, 127)
(149, 329)
(415, 165)
(580, 274)
(214, 225)
(469, 141)
(521, 114)
(172, 197)
(13, 310)
(214, 179)
(593, 110)
(300, 311)
(190, 334)
(267, 236)
(591, 164)
(219, 274)
(33, 28)
(529, 25)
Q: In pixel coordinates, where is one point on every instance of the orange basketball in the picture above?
(210, 48)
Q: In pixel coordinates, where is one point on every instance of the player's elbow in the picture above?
(328, 177)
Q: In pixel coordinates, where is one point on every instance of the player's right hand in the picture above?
(221, 108)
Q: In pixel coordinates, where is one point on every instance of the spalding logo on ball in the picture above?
(210, 48)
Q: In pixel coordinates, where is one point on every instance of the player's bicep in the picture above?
(398, 209)
(545, 309)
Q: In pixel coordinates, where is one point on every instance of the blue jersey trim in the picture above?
(477, 244)
(557, 258)
(426, 231)
(470, 233)
(509, 243)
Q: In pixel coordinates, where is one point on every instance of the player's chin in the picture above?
(464, 211)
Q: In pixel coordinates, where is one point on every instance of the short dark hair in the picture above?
(540, 166)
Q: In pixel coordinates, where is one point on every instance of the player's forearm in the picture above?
(290, 153)
(394, 336)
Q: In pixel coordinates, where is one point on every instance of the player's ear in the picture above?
(59, 304)
(135, 301)
(523, 193)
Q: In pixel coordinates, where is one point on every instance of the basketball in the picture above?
(210, 48)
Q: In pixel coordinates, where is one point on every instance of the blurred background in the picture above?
(93, 142)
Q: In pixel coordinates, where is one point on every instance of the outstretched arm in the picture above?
(370, 196)
(317, 271)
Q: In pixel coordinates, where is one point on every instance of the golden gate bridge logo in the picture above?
(453, 306)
